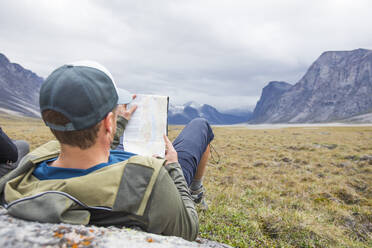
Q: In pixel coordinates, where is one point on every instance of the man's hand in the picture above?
(127, 113)
(170, 152)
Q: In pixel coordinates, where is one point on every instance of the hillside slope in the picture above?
(19, 89)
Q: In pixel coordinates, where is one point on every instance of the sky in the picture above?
(217, 52)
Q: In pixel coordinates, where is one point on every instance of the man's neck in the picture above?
(74, 157)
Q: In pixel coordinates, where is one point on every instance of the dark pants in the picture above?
(191, 144)
(23, 148)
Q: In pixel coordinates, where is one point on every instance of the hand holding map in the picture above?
(126, 111)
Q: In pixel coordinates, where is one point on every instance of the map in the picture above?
(144, 133)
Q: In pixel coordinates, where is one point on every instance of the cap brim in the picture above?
(124, 96)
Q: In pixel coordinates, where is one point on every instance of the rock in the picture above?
(352, 157)
(258, 164)
(328, 146)
(20, 87)
(335, 87)
(17, 233)
(366, 158)
(269, 98)
(343, 165)
(286, 160)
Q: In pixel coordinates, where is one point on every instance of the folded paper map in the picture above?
(144, 133)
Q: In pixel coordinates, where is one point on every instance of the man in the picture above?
(80, 180)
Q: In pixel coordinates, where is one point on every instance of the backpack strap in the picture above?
(137, 183)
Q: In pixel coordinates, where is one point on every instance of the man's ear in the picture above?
(108, 122)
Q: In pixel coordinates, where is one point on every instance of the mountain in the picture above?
(19, 89)
(183, 114)
(269, 99)
(337, 85)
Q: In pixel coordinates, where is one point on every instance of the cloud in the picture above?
(217, 52)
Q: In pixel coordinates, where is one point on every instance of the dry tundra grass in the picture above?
(289, 187)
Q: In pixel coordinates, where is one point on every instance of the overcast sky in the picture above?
(217, 52)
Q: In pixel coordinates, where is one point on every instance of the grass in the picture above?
(290, 187)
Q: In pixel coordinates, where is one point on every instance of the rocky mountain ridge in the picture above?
(19, 89)
(270, 96)
(337, 85)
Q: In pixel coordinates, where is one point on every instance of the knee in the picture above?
(203, 125)
(200, 122)
(22, 146)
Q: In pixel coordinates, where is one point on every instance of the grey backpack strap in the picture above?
(137, 182)
(24, 165)
(52, 207)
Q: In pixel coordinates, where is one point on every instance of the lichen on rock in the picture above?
(20, 233)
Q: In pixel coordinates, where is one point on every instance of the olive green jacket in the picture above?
(140, 192)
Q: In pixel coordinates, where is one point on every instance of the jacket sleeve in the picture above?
(8, 150)
(172, 211)
(120, 127)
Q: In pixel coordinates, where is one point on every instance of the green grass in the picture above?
(291, 187)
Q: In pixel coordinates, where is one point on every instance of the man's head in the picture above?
(75, 98)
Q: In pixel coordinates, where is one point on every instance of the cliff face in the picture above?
(338, 85)
(20, 87)
(269, 99)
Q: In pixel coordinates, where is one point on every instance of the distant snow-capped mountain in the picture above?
(183, 114)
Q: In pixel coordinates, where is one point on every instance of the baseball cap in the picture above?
(84, 91)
